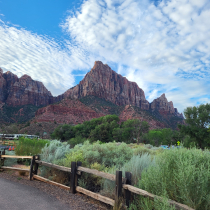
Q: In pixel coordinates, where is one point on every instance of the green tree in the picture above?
(63, 132)
(198, 120)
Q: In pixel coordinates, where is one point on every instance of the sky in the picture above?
(163, 46)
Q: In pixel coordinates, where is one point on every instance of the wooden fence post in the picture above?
(78, 176)
(128, 176)
(73, 177)
(31, 168)
(2, 160)
(118, 189)
(37, 157)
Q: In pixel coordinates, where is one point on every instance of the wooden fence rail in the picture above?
(76, 172)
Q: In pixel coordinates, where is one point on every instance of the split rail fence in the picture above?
(75, 173)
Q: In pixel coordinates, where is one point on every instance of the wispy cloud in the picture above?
(24, 52)
(167, 44)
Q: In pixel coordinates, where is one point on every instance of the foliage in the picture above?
(96, 129)
(163, 136)
(198, 120)
(53, 153)
(135, 165)
(77, 140)
(182, 175)
(130, 131)
(106, 154)
(27, 146)
(11, 114)
(63, 132)
(141, 203)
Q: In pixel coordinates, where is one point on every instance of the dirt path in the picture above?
(20, 193)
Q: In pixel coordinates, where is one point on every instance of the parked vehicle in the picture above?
(16, 136)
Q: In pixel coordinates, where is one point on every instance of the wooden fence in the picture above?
(75, 173)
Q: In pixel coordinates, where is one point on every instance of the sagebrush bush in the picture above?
(148, 146)
(108, 154)
(183, 174)
(53, 153)
(143, 150)
(135, 165)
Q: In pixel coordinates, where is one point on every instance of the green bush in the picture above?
(108, 154)
(141, 203)
(76, 140)
(28, 146)
(182, 175)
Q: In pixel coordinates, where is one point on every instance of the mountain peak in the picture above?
(105, 83)
(25, 76)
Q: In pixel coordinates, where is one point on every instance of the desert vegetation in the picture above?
(180, 174)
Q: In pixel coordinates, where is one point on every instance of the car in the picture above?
(164, 146)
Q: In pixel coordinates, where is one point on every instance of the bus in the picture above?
(16, 136)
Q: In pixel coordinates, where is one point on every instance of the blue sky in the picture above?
(164, 46)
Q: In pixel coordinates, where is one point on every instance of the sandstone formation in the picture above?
(164, 107)
(101, 82)
(105, 83)
(67, 111)
(16, 91)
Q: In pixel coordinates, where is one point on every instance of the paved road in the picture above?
(15, 196)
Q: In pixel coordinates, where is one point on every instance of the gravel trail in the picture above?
(19, 193)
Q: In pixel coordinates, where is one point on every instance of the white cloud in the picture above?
(24, 52)
(166, 48)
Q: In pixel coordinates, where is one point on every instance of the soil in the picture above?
(75, 201)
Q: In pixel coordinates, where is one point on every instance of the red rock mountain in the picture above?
(16, 91)
(105, 83)
(101, 82)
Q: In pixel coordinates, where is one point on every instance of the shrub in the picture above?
(135, 165)
(148, 146)
(143, 150)
(90, 181)
(76, 140)
(184, 175)
(28, 146)
(53, 153)
(147, 204)
(108, 154)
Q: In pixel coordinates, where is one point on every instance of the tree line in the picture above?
(195, 131)
(108, 129)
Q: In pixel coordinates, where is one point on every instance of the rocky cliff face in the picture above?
(103, 82)
(2, 86)
(16, 91)
(164, 107)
